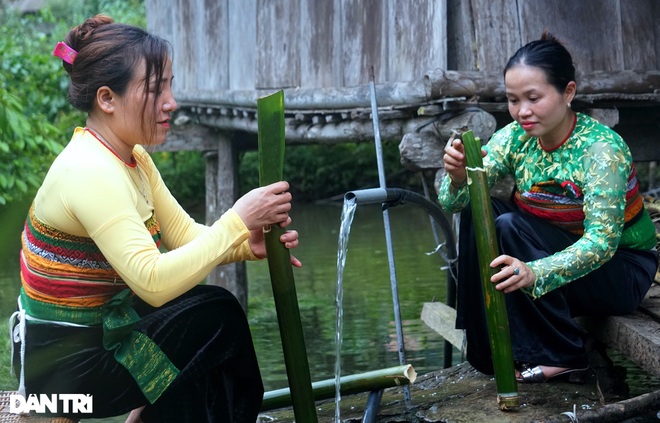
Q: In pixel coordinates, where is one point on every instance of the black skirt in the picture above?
(543, 331)
(204, 333)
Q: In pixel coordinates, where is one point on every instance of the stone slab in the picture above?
(442, 318)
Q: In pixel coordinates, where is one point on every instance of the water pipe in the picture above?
(390, 197)
(373, 404)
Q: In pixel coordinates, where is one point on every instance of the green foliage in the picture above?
(7, 382)
(315, 172)
(28, 139)
(26, 146)
(321, 171)
(36, 119)
(75, 12)
(184, 174)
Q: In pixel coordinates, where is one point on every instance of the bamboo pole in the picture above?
(353, 384)
(487, 250)
(270, 116)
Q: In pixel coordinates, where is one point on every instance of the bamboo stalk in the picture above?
(353, 384)
(270, 116)
(487, 250)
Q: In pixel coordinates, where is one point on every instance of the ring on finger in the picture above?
(516, 271)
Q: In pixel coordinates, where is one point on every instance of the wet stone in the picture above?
(460, 394)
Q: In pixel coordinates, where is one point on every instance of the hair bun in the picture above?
(549, 36)
(78, 36)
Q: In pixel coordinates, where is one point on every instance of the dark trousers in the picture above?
(204, 333)
(543, 330)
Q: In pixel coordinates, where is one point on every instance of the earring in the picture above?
(569, 105)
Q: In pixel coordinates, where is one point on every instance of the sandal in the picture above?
(536, 375)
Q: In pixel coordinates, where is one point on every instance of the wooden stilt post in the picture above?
(221, 193)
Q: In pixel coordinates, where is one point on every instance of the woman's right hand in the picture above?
(264, 206)
(455, 163)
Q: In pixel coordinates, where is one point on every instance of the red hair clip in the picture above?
(65, 52)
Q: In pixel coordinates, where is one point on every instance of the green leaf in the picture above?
(270, 123)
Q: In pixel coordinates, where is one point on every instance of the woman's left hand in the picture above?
(513, 274)
(288, 238)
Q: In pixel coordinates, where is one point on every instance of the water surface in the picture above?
(369, 334)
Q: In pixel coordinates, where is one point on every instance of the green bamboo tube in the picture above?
(487, 250)
(348, 385)
(270, 124)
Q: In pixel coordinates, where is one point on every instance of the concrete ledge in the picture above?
(442, 318)
(637, 336)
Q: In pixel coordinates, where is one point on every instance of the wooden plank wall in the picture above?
(641, 34)
(254, 44)
(604, 35)
(262, 44)
(278, 44)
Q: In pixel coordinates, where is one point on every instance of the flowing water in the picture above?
(347, 215)
(368, 330)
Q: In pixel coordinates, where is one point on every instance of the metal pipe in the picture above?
(371, 195)
(373, 404)
(388, 234)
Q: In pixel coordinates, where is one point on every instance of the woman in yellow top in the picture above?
(576, 239)
(110, 304)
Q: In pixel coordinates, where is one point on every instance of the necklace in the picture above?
(142, 191)
(107, 145)
(134, 165)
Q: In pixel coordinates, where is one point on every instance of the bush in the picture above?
(36, 119)
(318, 172)
(184, 173)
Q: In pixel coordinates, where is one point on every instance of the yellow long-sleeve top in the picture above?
(96, 224)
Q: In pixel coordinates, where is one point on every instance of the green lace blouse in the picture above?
(598, 162)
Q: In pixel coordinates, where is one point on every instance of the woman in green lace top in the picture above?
(575, 238)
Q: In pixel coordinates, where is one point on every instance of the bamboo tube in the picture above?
(270, 116)
(353, 384)
(487, 250)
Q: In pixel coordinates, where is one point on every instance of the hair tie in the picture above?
(65, 52)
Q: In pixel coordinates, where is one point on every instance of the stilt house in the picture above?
(437, 66)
